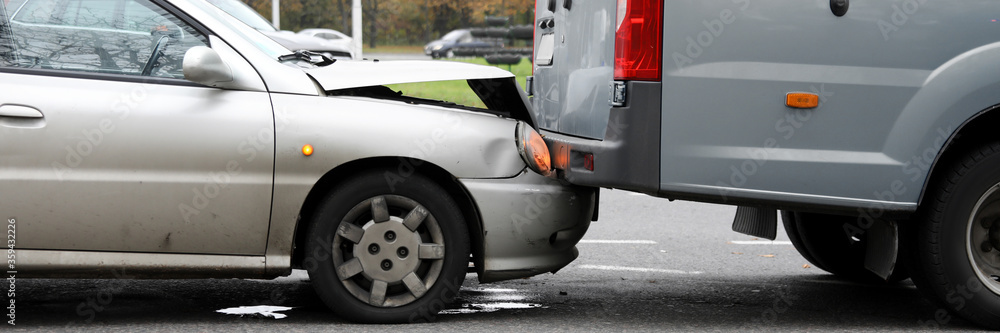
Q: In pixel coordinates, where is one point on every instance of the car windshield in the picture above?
(454, 35)
(263, 43)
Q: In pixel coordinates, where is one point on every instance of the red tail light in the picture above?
(638, 40)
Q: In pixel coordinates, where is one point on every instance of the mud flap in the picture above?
(756, 221)
(882, 249)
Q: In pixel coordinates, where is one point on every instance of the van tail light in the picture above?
(638, 40)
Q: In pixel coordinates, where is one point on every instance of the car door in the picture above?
(104, 146)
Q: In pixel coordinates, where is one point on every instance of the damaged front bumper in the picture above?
(530, 224)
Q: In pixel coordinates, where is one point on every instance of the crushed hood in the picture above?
(355, 74)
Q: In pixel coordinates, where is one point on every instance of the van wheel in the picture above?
(387, 254)
(821, 240)
(955, 242)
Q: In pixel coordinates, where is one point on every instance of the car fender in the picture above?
(953, 93)
(343, 129)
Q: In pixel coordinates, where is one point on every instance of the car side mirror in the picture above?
(203, 65)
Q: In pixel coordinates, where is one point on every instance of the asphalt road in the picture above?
(647, 265)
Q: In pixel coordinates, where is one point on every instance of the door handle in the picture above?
(20, 116)
(19, 111)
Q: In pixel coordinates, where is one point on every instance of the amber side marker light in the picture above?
(307, 150)
(802, 100)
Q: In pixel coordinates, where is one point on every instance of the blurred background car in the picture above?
(288, 39)
(445, 46)
(334, 37)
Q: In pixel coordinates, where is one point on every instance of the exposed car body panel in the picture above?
(355, 74)
(888, 102)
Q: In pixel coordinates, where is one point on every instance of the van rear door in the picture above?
(573, 66)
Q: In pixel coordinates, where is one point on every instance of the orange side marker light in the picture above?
(802, 100)
(307, 150)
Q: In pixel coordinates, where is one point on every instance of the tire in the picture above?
(478, 32)
(523, 32)
(955, 242)
(791, 228)
(503, 59)
(382, 272)
(821, 240)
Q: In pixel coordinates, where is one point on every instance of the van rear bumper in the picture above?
(629, 155)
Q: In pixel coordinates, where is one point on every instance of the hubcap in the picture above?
(983, 243)
(373, 251)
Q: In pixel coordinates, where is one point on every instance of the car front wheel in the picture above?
(955, 244)
(388, 253)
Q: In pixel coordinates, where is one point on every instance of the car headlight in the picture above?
(437, 47)
(533, 150)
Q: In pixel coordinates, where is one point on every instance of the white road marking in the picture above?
(760, 242)
(611, 241)
(638, 269)
(261, 310)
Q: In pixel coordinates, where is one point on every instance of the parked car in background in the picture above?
(166, 139)
(444, 47)
(333, 36)
(288, 39)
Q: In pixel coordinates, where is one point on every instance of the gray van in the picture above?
(871, 125)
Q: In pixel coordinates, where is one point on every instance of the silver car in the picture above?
(165, 139)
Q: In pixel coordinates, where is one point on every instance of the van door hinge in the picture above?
(756, 221)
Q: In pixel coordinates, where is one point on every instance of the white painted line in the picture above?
(611, 241)
(760, 242)
(637, 269)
